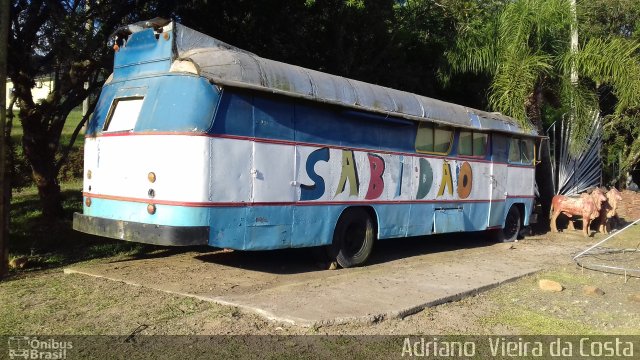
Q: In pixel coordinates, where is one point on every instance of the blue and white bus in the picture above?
(194, 142)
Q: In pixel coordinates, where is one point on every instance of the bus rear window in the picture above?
(123, 114)
(433, 139)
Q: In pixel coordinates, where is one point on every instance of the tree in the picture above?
(527, 52)
(609, 18)
(66, 39)
(4, 203)
(619, 18)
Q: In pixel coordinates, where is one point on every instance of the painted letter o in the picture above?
(465, 181)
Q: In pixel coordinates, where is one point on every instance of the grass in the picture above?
(54, 303)
(524, 307)
(535, 322)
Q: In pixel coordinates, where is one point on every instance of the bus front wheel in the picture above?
(353, 238)
(512, 224)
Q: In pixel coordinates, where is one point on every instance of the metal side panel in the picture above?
(448, 220)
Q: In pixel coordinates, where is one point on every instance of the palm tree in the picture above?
(526, 50)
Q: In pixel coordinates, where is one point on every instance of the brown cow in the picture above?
(609, 209)
(587, 205)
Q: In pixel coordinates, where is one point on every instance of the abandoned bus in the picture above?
(194, 141)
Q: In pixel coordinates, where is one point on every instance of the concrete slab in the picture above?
(404, 277)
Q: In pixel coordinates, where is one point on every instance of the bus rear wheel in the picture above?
(512, 224)
(353, 238)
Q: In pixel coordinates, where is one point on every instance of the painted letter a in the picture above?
(447, 181)
(350, 173)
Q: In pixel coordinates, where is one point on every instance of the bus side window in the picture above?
(526, 147)
(465, 143)
(442, 140)
(424, 139)
(472, 143)
(433, 139)
(480, 144)
(521, 151)
(499, 148)
(514, 150)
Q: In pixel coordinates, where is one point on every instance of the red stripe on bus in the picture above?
(148, 133)
(150, 201)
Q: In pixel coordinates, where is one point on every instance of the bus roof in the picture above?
(227, 65)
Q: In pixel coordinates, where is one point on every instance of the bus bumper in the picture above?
(143, 233)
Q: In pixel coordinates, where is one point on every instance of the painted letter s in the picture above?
(315, 190)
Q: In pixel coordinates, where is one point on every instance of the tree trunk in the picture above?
(544, 179)
(544, 171)
(5, 190)
(45, 178)
(40, 152)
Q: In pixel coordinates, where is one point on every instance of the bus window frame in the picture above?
(531, 151)
(433, 127)
(520, 141)
(486, 144)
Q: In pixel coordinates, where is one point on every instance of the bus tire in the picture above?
(512, 225)
(353, 238)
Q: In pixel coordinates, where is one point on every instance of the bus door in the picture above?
(269, 221)
(498, 180)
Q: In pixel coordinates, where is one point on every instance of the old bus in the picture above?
(194, 141)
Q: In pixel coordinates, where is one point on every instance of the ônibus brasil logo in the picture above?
(25, 347)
